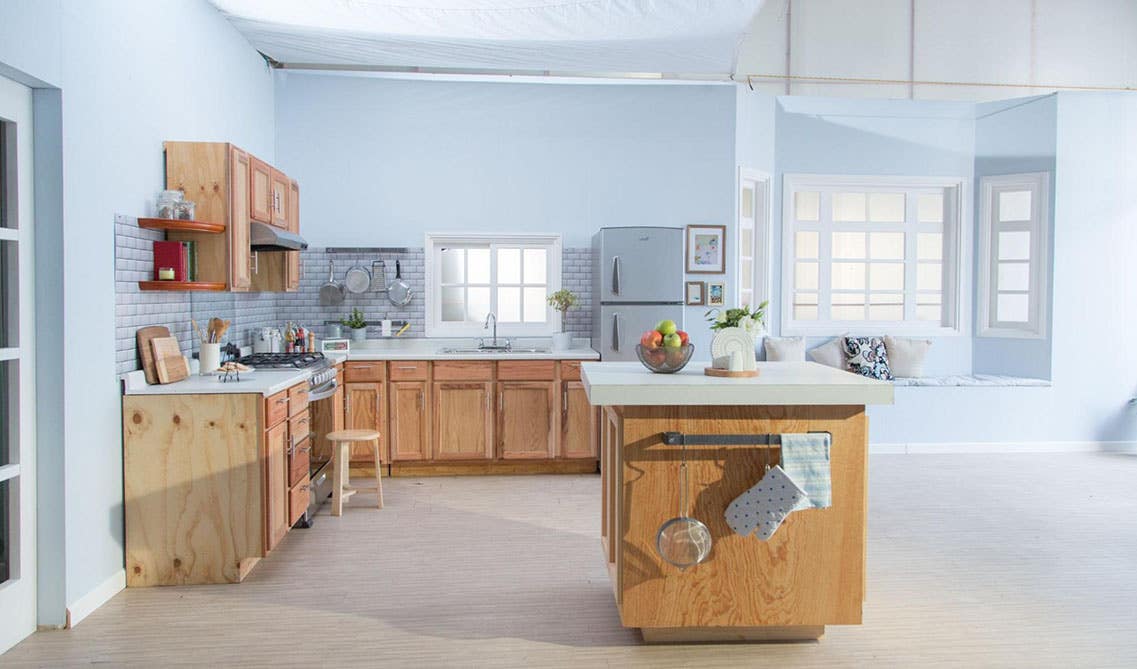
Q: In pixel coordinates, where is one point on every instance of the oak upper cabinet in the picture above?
(240, 267)
(409, 421)
(260, 190)
(278, 198)
(578, 422)
(463, 420)
(276, 484)
(292, 263)
(365, 409)
(525, 419)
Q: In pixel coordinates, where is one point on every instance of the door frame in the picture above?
(760, 249)
(18, 605)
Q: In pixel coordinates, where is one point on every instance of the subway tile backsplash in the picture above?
(252, 311)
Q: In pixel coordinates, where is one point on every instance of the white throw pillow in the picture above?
(785, 348)
(831, 354)
(906, 355)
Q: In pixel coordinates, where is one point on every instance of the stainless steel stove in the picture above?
(322, 386)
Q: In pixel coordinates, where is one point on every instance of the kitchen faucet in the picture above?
(493, 342)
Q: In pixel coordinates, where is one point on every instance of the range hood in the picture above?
(264, 237)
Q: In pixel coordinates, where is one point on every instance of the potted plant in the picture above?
(562, 301)
(735, 331)
(356, 323)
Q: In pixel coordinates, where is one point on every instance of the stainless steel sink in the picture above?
(486, 351)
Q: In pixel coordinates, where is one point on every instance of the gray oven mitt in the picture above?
(765, 505)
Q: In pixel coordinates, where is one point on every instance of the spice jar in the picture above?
(168, 203)
(184, 210)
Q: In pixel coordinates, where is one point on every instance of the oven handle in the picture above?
(323, 392)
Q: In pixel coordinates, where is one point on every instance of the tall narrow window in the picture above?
(471, 276)
(870, 253)
(1014, 255)
(753, 252)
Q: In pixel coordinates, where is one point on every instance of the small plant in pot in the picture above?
(562, 301)
(356, 323)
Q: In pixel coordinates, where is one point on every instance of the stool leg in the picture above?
(378, 475)
(338, 478)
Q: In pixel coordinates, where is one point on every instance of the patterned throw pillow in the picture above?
(868, 357)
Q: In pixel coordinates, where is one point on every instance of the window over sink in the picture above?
(469, 276)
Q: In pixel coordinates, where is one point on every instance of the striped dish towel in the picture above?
(805, 459)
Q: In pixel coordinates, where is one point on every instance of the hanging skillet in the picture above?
(399, 292)
(331, 293)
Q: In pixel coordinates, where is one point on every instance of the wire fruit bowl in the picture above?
(665, 360)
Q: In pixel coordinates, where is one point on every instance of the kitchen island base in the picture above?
(809, 574)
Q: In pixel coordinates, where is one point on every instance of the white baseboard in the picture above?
(927, 448)
(101, 594)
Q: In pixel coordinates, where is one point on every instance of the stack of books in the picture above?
(181, 257)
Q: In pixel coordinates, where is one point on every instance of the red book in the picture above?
(172, 255)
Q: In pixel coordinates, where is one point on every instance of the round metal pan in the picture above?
(331, 293)
(399, 292)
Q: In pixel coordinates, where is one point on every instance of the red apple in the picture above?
(655, 357)
(674, 356)
(651, 340)
(683, 338)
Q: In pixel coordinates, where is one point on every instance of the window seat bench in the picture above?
(968, 380)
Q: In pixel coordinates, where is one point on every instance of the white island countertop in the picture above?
(777, 383)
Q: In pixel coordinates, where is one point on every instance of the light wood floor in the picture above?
(1005, 560)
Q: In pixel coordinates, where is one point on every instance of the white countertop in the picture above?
(777, 383)
(268, 382)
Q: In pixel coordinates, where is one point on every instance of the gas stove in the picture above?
(284, 360)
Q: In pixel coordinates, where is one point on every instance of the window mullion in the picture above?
(824, 255)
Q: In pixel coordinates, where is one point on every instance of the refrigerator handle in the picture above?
(616, 332)
(615, 275)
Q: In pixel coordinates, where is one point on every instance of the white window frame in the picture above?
(436, 327)
(759, 222)
(957, 255)
(1038, 183)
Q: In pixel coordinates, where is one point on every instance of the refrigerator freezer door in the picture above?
(641, 265)
(622, 325)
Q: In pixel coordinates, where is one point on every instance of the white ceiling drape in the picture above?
(571, 36)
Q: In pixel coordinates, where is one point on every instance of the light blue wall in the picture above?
(875, 137)
(1014, 136)
(383, 161)
(127, 86)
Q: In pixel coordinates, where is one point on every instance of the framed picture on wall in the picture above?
(716, 294)
(696, 293)
(706, 249)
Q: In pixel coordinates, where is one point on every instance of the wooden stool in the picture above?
(342, 441)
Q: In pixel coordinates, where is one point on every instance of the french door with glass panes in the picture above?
(17, 391)
(753, 230)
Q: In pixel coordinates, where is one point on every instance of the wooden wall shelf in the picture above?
(177, 225)
(181, 285)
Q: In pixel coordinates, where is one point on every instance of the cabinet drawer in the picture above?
(409, 370)
(371, 370)
(570, 370)
(276, 408)
(298, 399)
(298, 500)
(463, 370)
(299, 428)
(526, 370)
(299, 457)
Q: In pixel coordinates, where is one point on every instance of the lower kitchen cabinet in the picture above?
(578, 422)
(276, 485)
(463, 420)
(525, 419)
(409, 421)
(365, 409)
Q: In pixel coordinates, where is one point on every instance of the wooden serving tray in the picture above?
(726, 373)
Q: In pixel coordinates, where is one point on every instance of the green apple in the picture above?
(666, 328)
(672, 340)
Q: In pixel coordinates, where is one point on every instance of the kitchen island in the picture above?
(809, 574)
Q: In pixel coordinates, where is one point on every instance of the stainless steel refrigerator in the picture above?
(637, 281)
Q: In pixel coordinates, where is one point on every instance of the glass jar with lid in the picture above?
(168, 203)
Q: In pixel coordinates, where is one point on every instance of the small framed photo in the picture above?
(716, 294)
(706, 249)
(696, 293)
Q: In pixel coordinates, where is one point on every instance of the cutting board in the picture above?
(168, 360)
(146, 353)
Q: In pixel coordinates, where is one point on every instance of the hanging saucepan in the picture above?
(399, 292)
(331, 293)
(357, 280)
(683, 541)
